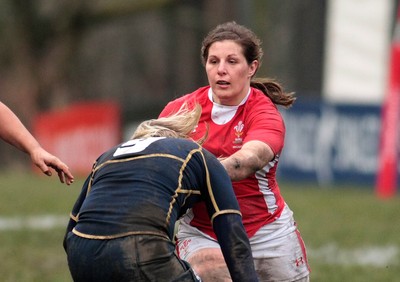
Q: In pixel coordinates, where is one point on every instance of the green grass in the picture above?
(352, 220)
(345, 220)
(34, 255)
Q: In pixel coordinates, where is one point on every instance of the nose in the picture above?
(221, 68)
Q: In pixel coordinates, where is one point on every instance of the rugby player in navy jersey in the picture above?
(121, 227)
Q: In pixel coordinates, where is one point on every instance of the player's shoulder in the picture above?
(180, 143)
(258, 101)
(198, 96)
(259, 97)
(195, 96)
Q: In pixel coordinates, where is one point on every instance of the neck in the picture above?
(230, 101)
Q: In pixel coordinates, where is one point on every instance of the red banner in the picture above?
(388, 155)
(79, 133)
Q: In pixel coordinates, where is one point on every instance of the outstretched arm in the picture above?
(15, 133)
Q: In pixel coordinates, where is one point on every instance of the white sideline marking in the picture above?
(377, 256)
(40, 222)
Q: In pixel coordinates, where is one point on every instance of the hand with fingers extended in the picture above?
(46, 161)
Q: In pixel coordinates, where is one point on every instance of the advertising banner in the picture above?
(79, 133)
(331, 143)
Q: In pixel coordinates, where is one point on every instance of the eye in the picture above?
(232, 61)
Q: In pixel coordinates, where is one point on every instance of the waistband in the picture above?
(114, 236)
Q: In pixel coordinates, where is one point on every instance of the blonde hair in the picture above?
(178, 125)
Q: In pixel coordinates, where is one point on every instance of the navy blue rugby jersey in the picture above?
(143, 186)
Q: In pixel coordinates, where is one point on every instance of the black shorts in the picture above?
(132, 258)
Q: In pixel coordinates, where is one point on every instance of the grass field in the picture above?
(350, 234)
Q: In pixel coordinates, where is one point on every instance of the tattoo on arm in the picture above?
(236, 164)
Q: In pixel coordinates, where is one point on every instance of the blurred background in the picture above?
(137, 55)
(81, 74)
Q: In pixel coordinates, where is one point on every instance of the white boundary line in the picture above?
(376, 256)
(331, 253)
(40, 222)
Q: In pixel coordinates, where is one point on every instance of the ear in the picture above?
(253, 68)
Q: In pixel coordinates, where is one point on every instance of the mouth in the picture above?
(223, 82)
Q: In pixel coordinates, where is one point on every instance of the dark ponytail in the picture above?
(274, 91)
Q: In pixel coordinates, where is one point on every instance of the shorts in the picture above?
(278, 249)
(130, 258)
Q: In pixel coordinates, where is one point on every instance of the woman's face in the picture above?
(228, 72)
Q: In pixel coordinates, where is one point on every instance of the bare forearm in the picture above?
(14, 132)
(20, 138)
(240, 166)
(245, 162)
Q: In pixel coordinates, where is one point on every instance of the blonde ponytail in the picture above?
(178, 125)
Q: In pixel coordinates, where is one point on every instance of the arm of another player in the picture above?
(15, 133)
(253, 156)
(235, 247)
(223, 209)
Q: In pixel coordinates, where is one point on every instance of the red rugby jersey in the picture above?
(229, 127)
